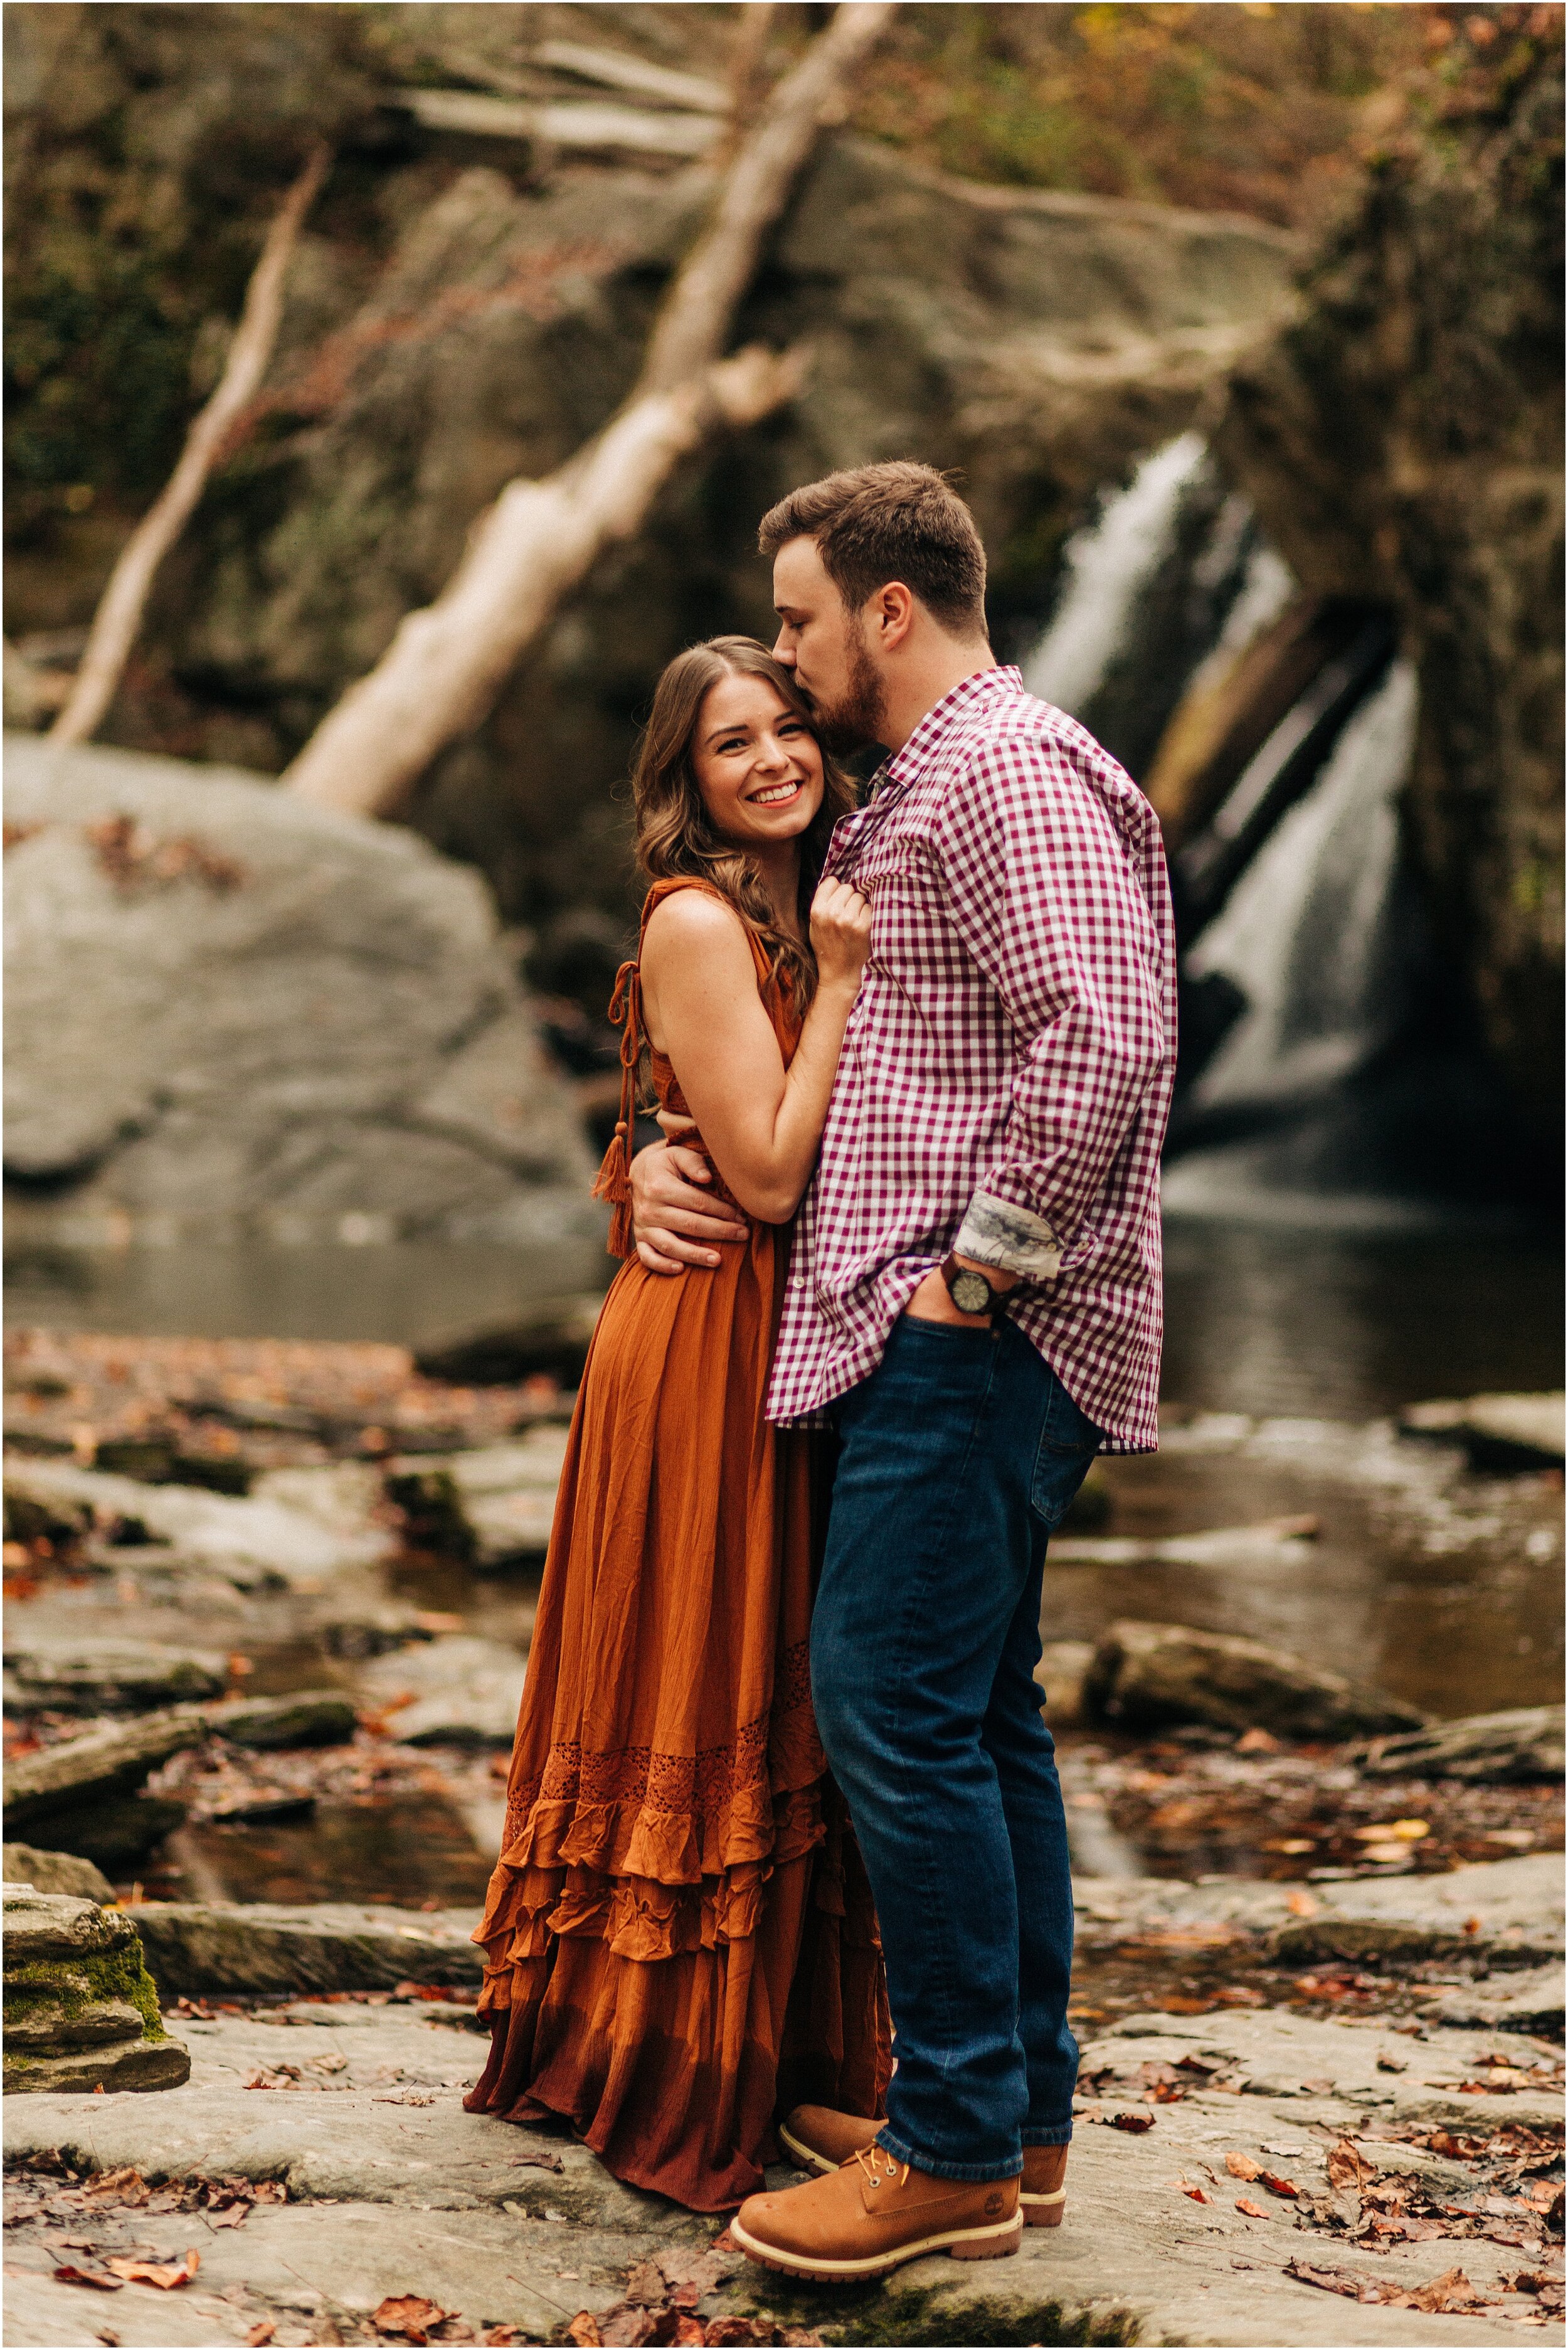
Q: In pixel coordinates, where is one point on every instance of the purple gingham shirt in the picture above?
(1006, 1073)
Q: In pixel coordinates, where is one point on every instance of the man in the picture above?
(975, 1306)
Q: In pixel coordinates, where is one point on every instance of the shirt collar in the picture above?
(906, 765)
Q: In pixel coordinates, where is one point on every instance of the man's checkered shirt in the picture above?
(1006, 1074)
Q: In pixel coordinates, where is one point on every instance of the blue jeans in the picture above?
(958, 1457)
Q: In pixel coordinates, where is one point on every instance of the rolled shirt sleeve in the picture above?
(1044, 892)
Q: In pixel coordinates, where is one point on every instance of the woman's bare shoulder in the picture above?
(693, 921)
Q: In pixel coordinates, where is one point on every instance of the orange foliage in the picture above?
(1251, 107)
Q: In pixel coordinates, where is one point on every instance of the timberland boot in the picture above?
(874, 2213)
(1042, 2191)
(820, 2139)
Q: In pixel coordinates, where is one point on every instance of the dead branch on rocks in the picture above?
(118, 616)
(440, 676)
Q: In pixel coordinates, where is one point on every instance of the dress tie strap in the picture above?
(613, 1181)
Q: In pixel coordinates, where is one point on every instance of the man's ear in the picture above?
(888, 616)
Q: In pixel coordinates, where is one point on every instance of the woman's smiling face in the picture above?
(758, 765)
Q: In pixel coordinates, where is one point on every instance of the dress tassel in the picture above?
(613, 1181)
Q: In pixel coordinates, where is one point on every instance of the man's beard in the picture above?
(858, 719)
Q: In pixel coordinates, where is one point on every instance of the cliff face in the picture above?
(466, 309)
(1402, 438)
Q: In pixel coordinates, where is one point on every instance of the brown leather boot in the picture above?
(819, 2138)
(874, 2213)
(1042, 2193)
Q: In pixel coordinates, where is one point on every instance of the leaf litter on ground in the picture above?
(660, 2305)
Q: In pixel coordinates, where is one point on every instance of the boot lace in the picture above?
(872, 2158)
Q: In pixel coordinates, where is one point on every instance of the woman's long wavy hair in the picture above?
(674, 836)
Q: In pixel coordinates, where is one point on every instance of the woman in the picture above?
(679, 1937)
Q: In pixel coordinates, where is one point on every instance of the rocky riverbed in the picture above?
(270, 1612)
(1237, 2177)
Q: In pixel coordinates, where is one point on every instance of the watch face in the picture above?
(971, 1293)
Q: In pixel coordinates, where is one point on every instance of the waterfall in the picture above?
(1266, 589)
(1105, 564)
(1313, 935)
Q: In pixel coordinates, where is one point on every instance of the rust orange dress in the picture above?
(679, 1937)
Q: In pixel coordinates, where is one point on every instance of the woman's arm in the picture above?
(762, 1121)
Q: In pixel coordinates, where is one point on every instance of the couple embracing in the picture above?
(781, 1772)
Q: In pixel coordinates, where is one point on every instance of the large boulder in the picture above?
(231, 1013)
(1403, 441)
(81, 2010)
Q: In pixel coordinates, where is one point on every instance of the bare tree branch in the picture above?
(635, 130)
(440, 676)
(696, 317)
(124, 599)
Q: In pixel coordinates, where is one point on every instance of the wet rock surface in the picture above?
(1500, 1432)
(261, 1534)
(492, 1507)
(1251, 2128)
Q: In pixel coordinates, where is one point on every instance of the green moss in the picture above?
(84, 1982)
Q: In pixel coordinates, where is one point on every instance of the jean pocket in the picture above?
(1068, 1443)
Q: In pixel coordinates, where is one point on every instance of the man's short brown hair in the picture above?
(879, 523)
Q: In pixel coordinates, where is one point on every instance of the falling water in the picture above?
(1312, 934)
(1107, 564)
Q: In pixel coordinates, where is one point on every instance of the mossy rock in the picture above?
(78, 1993)
(81, 2010)
(53, 2025)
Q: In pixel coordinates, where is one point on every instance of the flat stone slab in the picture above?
(1523, 1742)
(103, 1675)
(456, 1691)
(1509, 1909)
(1529, 2001)
(302, 1544)
(388, 2196)
(195, 1946)
(66, 2317)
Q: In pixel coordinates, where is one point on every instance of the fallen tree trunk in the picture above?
(445, 666)
(440, 676)
(118, 616)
